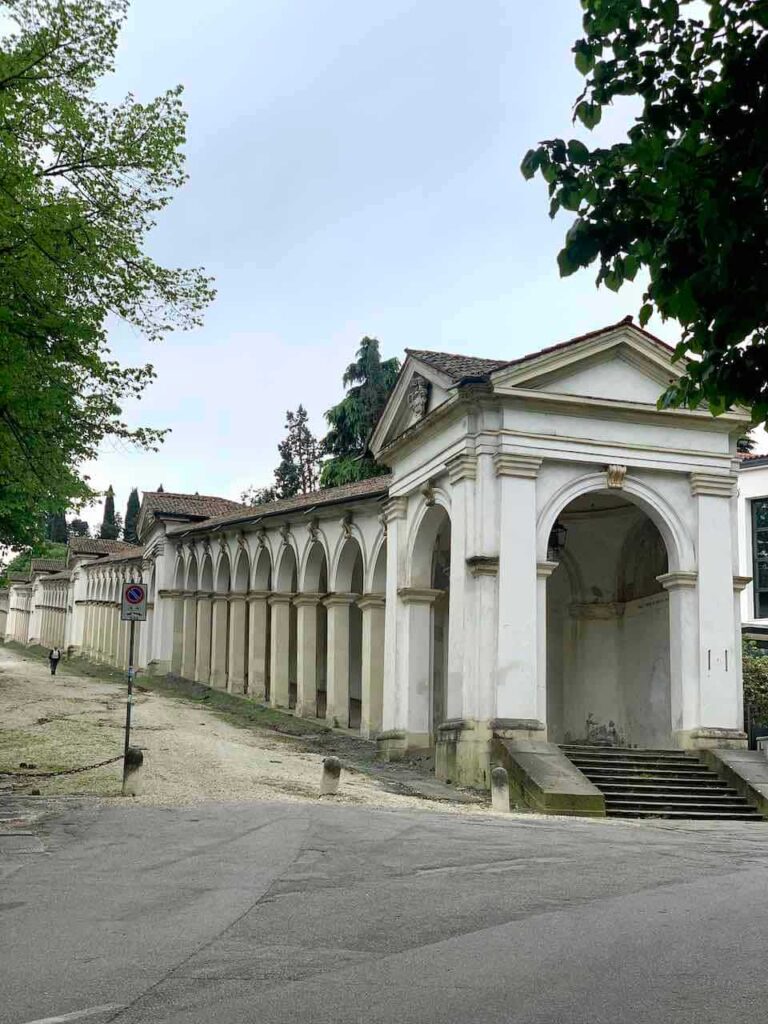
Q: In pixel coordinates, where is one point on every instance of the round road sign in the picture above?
(134, 594)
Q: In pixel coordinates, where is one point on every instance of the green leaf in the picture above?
(590, 114)
(531, 163)
(646, 312)
(578, 152)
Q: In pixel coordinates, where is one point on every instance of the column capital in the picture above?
(679, 580)
(371, 601)
(307, 600)
(511, 464)
(204, 594)
(237, 595)
(185, 594)
(741, 582)
(219, 597)
(545, 569)
(419, 595)
(721, 485)
(258, 595)
(483, 565)
(395, 508)
(279, 598)
(462, 467)
(339, 599)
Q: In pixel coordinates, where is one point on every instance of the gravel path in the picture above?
(191, 754)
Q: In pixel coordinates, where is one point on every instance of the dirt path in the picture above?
(191, 754)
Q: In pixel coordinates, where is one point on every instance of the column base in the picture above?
(708, 739)
(463, 752)
(392, 745)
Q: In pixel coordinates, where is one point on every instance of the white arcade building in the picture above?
(552, 559)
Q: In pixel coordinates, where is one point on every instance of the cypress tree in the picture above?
(110, 528)
(131, 517)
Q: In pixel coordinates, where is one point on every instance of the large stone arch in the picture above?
(376, 581)
(262, 570)
(313, 576)
(679, 544)
(608, 678)
(286, 573)
(242, 573)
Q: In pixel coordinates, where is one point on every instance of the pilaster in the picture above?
(306, 653)
(219, 640)
(237, 652)
(372, 607)
(337, 707)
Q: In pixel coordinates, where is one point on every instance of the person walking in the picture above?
(54, 658)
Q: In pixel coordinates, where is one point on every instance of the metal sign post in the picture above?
(133, 610)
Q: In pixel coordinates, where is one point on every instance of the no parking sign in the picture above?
(134, 603)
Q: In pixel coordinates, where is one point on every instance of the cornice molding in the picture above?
(483, 565)
(371, 601)
(419, 595)
(395, 508)
(681, 579)
(334, 600)
(462, 467)
(509, 464)
(741, 583)
(714, 484)
(545, 569)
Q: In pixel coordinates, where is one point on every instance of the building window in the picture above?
(760, 556)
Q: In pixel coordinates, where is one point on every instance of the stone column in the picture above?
(683, 651)
(237, 652)
(417, 644)
(178, 633)
(203, 641)
(306, 654)
(189, 635)
(258, 644)
(393, 740)
(517, 696)
(719, 645)
(543, 571)
(337, 707)
(219, 622)
(280, 607)
(372, 607)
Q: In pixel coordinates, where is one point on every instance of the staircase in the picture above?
(659, 784)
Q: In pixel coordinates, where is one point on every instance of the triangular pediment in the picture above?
(621, 365)
(420, 388)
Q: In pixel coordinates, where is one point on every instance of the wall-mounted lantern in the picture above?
(556, 543)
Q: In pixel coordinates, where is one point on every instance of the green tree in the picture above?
(21, 563)
(81, 184)
(56, 527)
(685, 195)
(369, 382)
(79, 528)
(132, 517)
(110, 526)
(755, 673)
(299, 466)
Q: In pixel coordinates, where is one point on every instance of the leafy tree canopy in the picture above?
(81, 183)
(297, 472)
(369, 382)
(685, 196)
(79, 528)
(22, 562)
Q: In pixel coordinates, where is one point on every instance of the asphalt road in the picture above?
(325, 913)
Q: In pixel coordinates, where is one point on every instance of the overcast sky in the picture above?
(354, 169)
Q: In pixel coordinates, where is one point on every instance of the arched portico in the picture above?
(608, 627)
(345, 635)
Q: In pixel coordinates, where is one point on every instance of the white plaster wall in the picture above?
(753, 483)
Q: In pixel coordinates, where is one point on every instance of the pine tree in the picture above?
(131, 517)
(369, 382)
(299, 457)
(56, 528)
(110, 526)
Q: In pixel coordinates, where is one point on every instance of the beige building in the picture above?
(552, 559)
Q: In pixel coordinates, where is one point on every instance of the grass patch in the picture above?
(57, 745)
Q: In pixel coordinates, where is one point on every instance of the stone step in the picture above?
(685, 763)
(654, 795)
(664, 786)
(640, 771)
(688, 815)
(578, 749)
(676, 805)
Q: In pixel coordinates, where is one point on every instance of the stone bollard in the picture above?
(500, 790)
(134, 762)
(329, 782)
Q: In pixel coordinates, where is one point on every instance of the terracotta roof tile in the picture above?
(47, 564)
(458, 367)
(194, 506)
(95, 546)
(375, 486)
